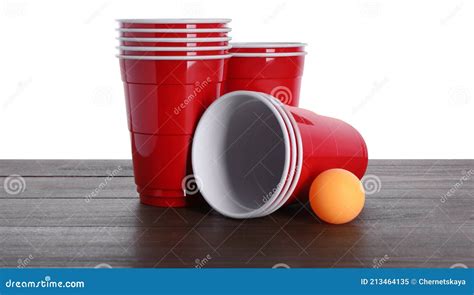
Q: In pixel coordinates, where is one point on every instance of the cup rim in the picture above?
(280, 120)
(276, 54)
(174, 20)
(268, 44)
(299, 157)
(137, 30)
(146, 48)
(294, 155)
(174, 40)
(172, 57)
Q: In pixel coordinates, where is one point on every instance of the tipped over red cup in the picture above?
(252, 154)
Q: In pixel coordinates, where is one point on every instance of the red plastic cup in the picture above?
(266, 65)
(327, 143)
(192, 23)
(174, 33)
(173, 70)
(165, 96)
(173, 51)
(242, 151)
(278, 74)
(169, 109)
(267, 47)
(285, 90)
(161, 165)
(174, 42)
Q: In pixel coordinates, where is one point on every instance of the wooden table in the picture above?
(66, 214)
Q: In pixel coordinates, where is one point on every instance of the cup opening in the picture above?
(267, 55)
(267, 44)
(136, 30)
(175, 20)
(241, 154)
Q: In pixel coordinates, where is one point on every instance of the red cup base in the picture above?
(165, 201)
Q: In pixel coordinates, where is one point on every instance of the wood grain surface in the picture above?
(418, 213)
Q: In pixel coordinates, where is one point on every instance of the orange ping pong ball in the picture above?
(337, 196)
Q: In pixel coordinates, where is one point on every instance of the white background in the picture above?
(401, 72)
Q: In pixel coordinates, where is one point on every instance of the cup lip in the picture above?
(172, 57)
(294, 155)
(299, 157)
(255, 213)
(268, 44)
(174, 20)
(174, 40)
(276, 54)
(145, 48)
(137, 30)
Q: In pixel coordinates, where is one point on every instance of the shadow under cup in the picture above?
(164, 100)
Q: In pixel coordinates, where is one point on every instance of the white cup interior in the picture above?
(241, 154)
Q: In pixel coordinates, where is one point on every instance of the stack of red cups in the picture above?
(275, 68)
(172, 70)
